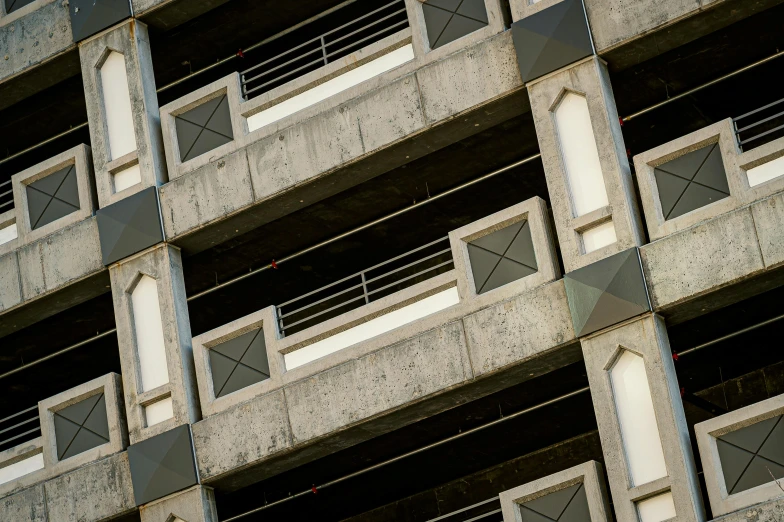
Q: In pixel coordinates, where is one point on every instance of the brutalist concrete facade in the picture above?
(556, 300)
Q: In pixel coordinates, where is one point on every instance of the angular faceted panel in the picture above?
(753, 455)
(691, 181)
(565, 505)
(204, 128)
(551, 39)
(92, 16)
(162, 465)
(81, 427)
(501, 257)
(130, 225)
(52, 197)
(14, 5)
(239, 363)
(448, 20)
(606, 292)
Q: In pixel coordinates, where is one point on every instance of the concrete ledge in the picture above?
(26, 506)
(772, 511)
(10, 284)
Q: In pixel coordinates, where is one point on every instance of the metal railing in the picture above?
(767, 122)
(321, 50)
(19, 428)
(6, 196)
(362, 288)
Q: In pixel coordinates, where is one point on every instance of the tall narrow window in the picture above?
(117, 105)
(149, 334)
(639, 431)
(580, 154)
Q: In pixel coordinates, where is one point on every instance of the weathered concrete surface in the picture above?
(196, 504)
(10, 284)
(94, 492)
(28, 40)
(26, 506)
(769, 223)
(772, 511)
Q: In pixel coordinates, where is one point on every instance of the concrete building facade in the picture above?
(381, 260)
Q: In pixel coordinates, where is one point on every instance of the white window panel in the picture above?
(159, 411)
(599, 237)
(22, 468)
(331, 87)
(117, 105)
(149, 334)
(127, 178)
(580, 154)
(639, 431)
(8, 233)
(372, 328)
(766, 172)
(656, 509)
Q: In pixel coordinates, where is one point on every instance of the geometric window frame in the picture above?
(74, 168)
(712, 438)
(446, 21)
(204, 354)
(579, 493)
(243, 360)
(12, 6)
(203, 128)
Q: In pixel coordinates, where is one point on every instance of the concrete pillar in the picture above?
(585, 163)
(122, 110)
(196, 504)
(153, 330)
(645, 438)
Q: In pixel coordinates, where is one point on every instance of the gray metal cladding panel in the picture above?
(52, 197)
(502, 257)
(753, 455)
(607, 292)
(565, 505)
(204, 128)
(551, 39)
(448, 20)
(129, 225)
(92, 16)
(81, 427)
(239, 363)
(691, 181)
(14, 5)
(162, 465)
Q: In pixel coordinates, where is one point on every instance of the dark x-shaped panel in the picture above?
(81, 426)
(239, 362)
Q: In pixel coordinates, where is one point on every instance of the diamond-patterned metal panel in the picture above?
(606, 292)
(565, 505)
(204, 128)
(14, 5)
(52, 197)
(501, 257)
(692, 181)
(448, 20)
(92, 16)
(551, 39)
(162, 465)
(752, 456)
(239, 362)
(81, 427)
(129, 225)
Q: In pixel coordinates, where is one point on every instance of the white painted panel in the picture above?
(331, 87)
(22, 468)
(766, 172)
(8, 233)
(580, 155)
(372, 328)
(158, 412)
(117, 105)
(656, 509)
(149, 334)
(639, 431)
(599, 237)
(127, 178)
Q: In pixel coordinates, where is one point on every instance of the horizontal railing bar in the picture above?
(20, 435)
(747, 127)
(453, 513)
(318, 290)
(344, 303)
(758, 136)
(365, 27)
(5, 183)
(354, 44)
(401, 256)
(284, 53)
(320, 60)
(436, 267)
(755, 111)
(19, 413)
(311, 305)
(246, 81)
(6, 193)
(371, 13)
(7, 203)
(418, 261)
(28, 421)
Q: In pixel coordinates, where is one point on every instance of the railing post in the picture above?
(364, 288)
(324, 49)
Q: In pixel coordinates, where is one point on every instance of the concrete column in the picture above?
(122, 110)
(645, 438)
(585, 163)
(153, 330)
(196, 504)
